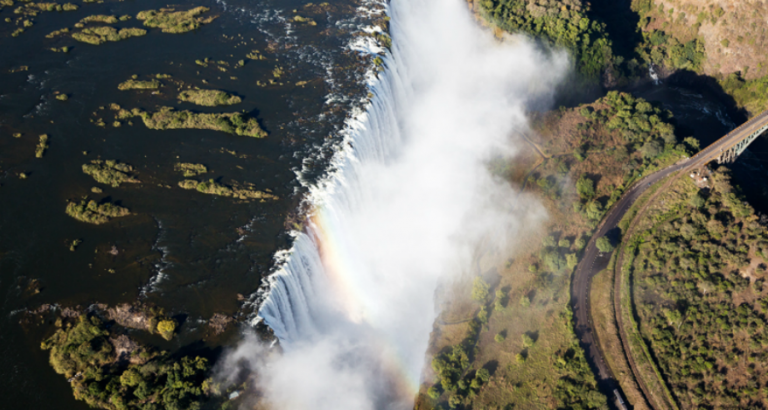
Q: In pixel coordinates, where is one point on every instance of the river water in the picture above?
(189, 253)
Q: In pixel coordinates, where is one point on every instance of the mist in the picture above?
(409, 205)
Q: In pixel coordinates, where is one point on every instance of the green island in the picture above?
(111, 371)
(110, 172)
(170, 21)
(135, 84)
(94, 213)
(101, 35)
(189, 169)
(27, 10)
(100, 18)
(698, 264)
(166, 118)
(209, 98)
(41, 146)
(212, 187)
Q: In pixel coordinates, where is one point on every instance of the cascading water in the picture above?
(404, 207)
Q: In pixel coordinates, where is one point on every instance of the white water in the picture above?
(404, 207)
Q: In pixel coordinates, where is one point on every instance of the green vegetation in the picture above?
(110, 172)
(62, 97)
(749, 94)
(57, 33)
(304, 20)
(166, 328)
(664, 50)
(604, 244)
(255, 55)
(190, 170)
(41, 146)
(112, 372)
(214, 188)
(98, 18)
(100, 35)
(94, 213)
(699, 269)
(134, 84)
(564, 23)
(73, 246)
(235, 123)
(209, 98)
(170, 21)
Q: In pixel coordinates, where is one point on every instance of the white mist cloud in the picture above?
(407, 211)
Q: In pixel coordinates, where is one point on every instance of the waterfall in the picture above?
(403, 208)
(653, 75)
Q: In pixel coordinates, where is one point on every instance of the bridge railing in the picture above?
(757, 119)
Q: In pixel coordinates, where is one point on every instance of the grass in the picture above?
(41, 146)
(638, 350)
(232, 123)
(93, 213)
(209, 98)
(170, 21)
(134, 84)
(100, 35)
(212, 187)
(190, 170)
(110, 172)
(604, 322)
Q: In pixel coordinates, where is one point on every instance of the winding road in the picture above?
(593, 261)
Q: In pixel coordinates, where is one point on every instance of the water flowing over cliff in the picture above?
(404, 208)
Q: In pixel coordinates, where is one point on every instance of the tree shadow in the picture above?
(491, 366)
(621, 24)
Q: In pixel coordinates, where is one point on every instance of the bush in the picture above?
(527, 341)
(604, 244)
(166, 328)
(585, 188)
(480, 290)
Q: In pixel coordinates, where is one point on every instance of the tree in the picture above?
(697, 201)
(651, 149)
(499, 338)
(434, 392)
(564, 243)
(594, 210)
(585, 188)
(580, 243)
(525, 301)
(692, 143)
(604, 244)
(480, 290)
(554, 261)
(527, 341)
(166, 328)
(571, 260)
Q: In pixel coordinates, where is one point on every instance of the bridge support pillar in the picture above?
(729, 156)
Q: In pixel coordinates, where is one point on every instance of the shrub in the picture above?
(480, 289)
(604, 244)
(527, 341)
(585, 188)
(166, 328)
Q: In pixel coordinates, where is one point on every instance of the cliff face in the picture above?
(565, 23)
(731, 33)
(723, 39)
